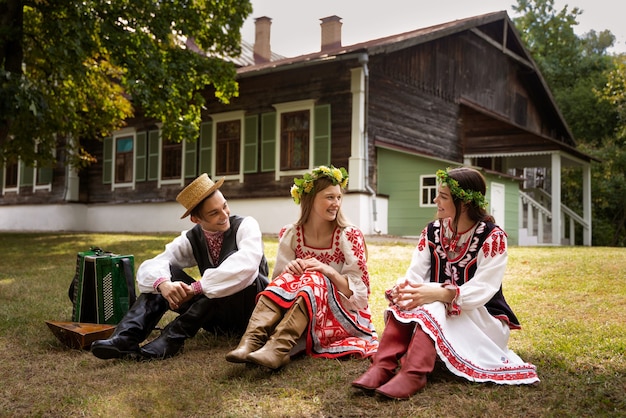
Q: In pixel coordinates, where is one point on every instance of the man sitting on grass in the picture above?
(228, 251)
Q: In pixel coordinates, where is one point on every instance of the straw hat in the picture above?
(196, 192)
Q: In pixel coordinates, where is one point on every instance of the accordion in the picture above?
(103, 288)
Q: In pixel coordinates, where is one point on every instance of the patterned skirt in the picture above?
(333, 331)
(472, 345)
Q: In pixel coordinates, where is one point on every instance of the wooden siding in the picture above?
(401, 173)
(440, 98)
(408, 109)
(329, 85)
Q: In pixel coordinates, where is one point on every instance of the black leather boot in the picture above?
(184, 326)
(134, 327)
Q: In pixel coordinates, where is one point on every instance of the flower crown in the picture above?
(467, 196)
(339, 176)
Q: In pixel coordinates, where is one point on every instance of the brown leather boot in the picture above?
(418, 361)
(393, 344)
(275, 353)
(264, 318)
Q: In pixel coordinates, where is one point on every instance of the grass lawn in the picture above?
(571, 302)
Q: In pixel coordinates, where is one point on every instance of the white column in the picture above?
(356, 162)
(587, 203)
(556, 198)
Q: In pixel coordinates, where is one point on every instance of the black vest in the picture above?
(497, 305)
(229, 246)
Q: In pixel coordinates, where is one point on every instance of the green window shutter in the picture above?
(140, 156)
(153, 155)
(107, 160)
(27, 175)
(251, 145)
(2, 177)
(44, 175)
(206, 145)
(191, 164)
(268, 141)
(321, 136)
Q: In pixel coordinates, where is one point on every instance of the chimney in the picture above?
(331, 32)
(262, 50)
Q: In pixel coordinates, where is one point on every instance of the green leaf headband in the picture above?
(467, 196)
(339, 176)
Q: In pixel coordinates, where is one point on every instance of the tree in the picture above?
(71, 70)
(574, 67)
(549, 35)
(589, 86)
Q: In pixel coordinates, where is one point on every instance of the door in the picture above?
(496, 203)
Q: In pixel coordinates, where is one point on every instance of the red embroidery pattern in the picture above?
(214, 244)
(422, 240)
(495, 244)
(462, 365)
(334, 331)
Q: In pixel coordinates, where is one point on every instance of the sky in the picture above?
(295, 26)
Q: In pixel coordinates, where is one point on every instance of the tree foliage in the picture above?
(75, 70)
(589, 87)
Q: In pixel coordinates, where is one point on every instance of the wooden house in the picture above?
(391, 110)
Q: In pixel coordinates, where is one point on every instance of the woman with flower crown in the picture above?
(450, 305)
(320, 287)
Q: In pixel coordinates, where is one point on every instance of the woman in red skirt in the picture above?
(320, 287)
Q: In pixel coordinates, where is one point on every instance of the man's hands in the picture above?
(176, 293)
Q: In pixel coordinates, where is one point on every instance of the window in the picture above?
(11, 176)
(228, 147)
(294, 140)
(428, 190)
(221, 145)
(124, 159)
(172, 161)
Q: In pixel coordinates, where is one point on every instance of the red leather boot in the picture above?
(393, 344)
(419, 360)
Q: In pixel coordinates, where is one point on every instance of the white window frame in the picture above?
(180, 181)
(121, 133)
(4, 179)
(429, 188)
(228, 117)
(294, 107)
(47, 186)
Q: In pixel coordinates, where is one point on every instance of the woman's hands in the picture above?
(411, 295)
(302, 265)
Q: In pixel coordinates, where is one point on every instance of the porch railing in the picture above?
(535, 220)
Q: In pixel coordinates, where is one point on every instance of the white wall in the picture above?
(272, 214)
